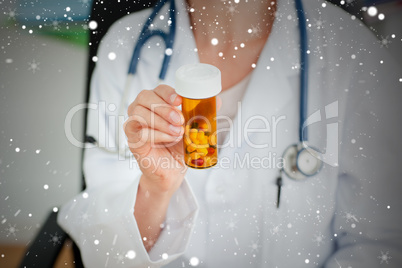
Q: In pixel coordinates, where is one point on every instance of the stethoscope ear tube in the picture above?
(304, 66)
(147, 33)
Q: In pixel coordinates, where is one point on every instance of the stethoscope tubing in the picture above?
(304, 67)
(147, 33)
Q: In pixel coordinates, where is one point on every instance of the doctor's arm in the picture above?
(123, 201)
(154, 130)
(367, 224)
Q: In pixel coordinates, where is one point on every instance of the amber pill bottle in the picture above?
(199, 84)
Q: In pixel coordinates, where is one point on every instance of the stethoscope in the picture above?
(300, 161)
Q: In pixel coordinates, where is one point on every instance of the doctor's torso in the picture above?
(238, 223)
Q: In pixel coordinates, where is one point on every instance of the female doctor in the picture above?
(136, 212)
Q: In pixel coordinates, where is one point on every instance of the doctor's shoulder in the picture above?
(338, 30)
(115, 48)
(115, 51)
(345, 47)
(127, 28)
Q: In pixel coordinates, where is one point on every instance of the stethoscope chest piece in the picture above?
(300, 162)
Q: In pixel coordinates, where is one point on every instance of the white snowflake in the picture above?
(119, 258)
(317, 50)
(319, 238)
(55, 24)
(254, 30)
(85, 217)
(11, 230)
(11, 14)
(384, 42)
(384, 257)
(231, 225)
(231, 9)
(350, 3)
(149, 243)
(318, 23)
(121, 42)
(350, 217)
(255, 246)
(55, 239)
(33, 66)
(275, 230)
(296, 66)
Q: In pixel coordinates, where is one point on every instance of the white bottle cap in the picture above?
(198, 81)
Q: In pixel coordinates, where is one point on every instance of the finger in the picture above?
(176, 100)
(152, 101)
(145, 98)
(168, 94)
(168, 112)
(154, 121)
(151, 137)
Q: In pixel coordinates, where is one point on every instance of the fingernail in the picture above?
(175, 117)
(173, 98)
(175, 129)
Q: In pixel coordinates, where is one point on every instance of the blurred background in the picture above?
(43, 75)
(43, 66)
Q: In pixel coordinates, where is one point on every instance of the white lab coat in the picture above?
(346, 216)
